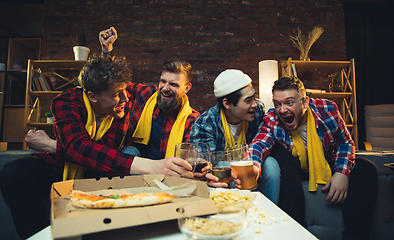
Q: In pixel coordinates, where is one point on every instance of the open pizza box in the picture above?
(68, 221)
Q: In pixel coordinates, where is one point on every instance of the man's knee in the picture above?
(9, 172)
(271, 167)
(131, 150)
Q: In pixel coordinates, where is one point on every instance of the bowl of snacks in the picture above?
(244, 198)
(229, 222)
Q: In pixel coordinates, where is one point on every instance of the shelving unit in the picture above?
(345, 100)
(12, 81)
(33, 100)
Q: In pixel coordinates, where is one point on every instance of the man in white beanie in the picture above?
(235, 120)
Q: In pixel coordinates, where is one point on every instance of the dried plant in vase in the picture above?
(304, 42)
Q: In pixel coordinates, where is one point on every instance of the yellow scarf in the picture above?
(75, 171)
(228, 136)
(319, 170)
(144, 126)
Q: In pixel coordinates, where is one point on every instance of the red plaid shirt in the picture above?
(74, 143)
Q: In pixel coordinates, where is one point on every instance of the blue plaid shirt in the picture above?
(331, 129)
(208, 127)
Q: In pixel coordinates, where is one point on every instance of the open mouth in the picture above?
(289, 119)
(166, 96)
(119, 109)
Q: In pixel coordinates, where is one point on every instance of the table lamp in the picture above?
(268, 74)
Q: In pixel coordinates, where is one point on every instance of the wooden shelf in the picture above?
(33, 98)
(320, 64)
(22, 49)
(331, 95)
(19, 51)
(345, 100)
(58, 64)
(44, 94)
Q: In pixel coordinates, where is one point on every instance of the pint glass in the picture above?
(203, 155)
(221, 166)
(242, 165)
(188, 152)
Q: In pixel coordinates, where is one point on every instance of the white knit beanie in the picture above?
(230, 81)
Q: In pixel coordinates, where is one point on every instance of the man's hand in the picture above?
(237, 182)
(213, 181)
(202, 175)
(107, 38)
(171, 166)
(40, 141)
(338, 185)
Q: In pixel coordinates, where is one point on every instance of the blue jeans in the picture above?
(269, 183)
(131, 150)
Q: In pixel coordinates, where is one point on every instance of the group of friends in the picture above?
(109, 126)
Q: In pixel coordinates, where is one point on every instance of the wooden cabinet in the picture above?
(37, 102)
(346, 100)
(13, 85)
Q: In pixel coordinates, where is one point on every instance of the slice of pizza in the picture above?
(142, 199)
(116, 200)
(81, 199)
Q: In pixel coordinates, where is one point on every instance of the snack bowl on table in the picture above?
(244, 198)
(229, 222)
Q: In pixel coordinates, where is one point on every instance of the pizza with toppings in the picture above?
(117, 200)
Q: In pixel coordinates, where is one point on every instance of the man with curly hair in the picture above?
(91, 125)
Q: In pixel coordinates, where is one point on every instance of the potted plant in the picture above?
(49, 116)
(304, 43)
(81, 51)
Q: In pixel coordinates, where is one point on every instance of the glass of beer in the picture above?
(242, 165)
(203, 155)
(221, 167)
(187, 152)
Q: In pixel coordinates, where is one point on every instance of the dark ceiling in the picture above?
(21, 19)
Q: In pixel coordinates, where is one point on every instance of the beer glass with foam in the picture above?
(242, 165)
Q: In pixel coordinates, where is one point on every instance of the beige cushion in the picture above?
(379, 126)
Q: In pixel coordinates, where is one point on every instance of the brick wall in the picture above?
(212, 35)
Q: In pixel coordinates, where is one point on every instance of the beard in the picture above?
(171, 105)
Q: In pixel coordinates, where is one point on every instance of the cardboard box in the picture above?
(68, 221)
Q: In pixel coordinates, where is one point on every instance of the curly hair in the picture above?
(103, 72)
(179, 66)
(285, 83)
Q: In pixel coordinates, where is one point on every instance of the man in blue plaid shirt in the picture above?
(237, 107)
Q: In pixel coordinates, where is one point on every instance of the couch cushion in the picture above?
(383, 220)
(379, 126)
(324, 219)
(7, 228)
(6, 156)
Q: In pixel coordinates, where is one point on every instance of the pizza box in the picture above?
(68, 221)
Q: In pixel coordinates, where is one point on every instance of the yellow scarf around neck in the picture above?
(319, 170)
(228, 136)
(75, 171)
(144, 126)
